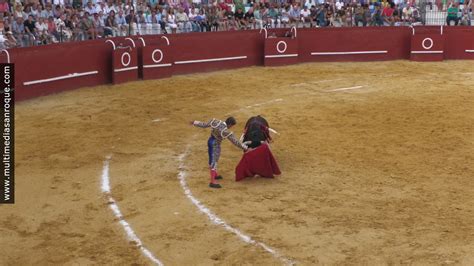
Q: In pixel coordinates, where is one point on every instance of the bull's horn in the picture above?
(273, 131)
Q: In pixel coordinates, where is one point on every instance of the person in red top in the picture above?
(223, 6)
(387, 14)
(4, 8)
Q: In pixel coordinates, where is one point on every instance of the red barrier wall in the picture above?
(354, 44)
(125, 65)
(54, 68)
(281, 51)
(427, 47)
(157, 61)
(35, 65)
(229, 49)
(457, 41)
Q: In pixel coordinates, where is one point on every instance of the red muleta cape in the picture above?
(259, 161)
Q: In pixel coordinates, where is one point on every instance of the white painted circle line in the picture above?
(349, 88)
(153, 55)
(256, 105)
(215, 219)
(284, 45)
(429, 46)
(132, 236)
(128, 60)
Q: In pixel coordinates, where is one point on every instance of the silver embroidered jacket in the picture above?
(220, 131)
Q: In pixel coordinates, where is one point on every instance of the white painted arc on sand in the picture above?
(215, 219)
(349, 88)
(132, 236)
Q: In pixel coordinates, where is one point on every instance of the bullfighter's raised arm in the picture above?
(202, 124)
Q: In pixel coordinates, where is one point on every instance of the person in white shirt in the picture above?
(90, 8)
(285, 16)
(42, 29)
(171, 21)
(305, 16)
(58, 3)
(34, 11)
(192, 18)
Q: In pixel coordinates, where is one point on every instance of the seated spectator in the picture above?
(4, 7)
(397, 15)
(98, 24)
(58, 11)
(367, 14)
(321, 16)
(360, 16)
(19, 13)
(171, 21)
(47, 12)
(160, 17)
(142, 23)
(407, 13)
(182, 20)
(341, 17)
(152, 26)
(257, 13)
(18, 30)
(121, 23)
(295, 14)
(42, 30)
(90, 8)
(30, 30)
(65, 31)
(230, 19)
(453, 14)
(132, 22)
(75, 24)
(273, 17)
(329, 17)
(196, 27)
(201, 19)
(111, 28)
(377, 19)
(249, 19)
(87, 26)
(34, 10)
(52, 31)
(239, 18)
(387, 14)
(10, 41)
(305, 15)
(213, 19)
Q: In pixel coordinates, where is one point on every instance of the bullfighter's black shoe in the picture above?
(212, 185)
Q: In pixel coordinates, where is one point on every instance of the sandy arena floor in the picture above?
(374, 175)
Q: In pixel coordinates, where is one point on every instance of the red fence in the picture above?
(54, 68)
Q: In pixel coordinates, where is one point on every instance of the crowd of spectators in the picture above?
(36, 22)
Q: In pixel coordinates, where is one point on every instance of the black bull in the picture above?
(256, 130)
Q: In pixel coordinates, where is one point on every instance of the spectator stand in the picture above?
(427, 44)
(124, 63)
(280, 50)
(157, 59)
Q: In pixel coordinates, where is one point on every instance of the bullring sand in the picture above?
(377, 162)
